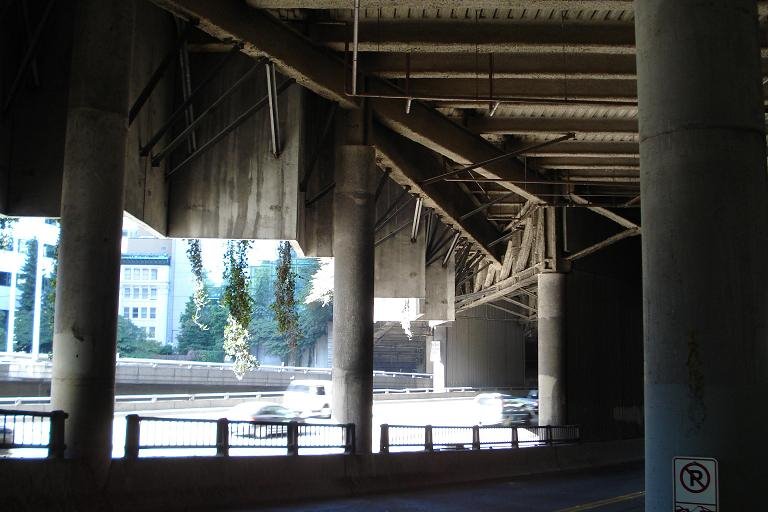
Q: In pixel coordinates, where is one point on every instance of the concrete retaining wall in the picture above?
(205, 483)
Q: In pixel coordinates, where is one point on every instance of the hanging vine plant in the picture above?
(199, 297)
(237, 299)
(285, 301)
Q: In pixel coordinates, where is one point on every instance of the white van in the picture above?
(309, 398)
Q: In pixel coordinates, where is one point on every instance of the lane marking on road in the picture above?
(603, 503)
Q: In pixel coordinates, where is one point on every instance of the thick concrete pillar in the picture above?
(353, 253)
(705, 244)
(551, 335)
(85, 323)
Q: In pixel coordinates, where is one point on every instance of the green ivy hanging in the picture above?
(237, 299)
(285, 302)
(199, 297)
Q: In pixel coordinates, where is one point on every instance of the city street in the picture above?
(617, 489)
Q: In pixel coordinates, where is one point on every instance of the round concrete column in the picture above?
(551, 335)
(705, 244)
(353, 252)
(83, 380)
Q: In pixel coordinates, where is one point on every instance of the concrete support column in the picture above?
(705, 244)
(353, 253)
(551, 335)
(85, 322)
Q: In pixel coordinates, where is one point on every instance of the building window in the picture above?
(5, 279)
(143, 312)
(136, 274)
(135, 313)
(127, 274)
(126, 312)
(145, 274)
(151, 333)
(152, 312)
(136, 292)
(154, 292)
(127, 292)
(154, 274)
(50, 251)
(144, 292)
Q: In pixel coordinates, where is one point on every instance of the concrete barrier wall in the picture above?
(205, 483)
(33, 379)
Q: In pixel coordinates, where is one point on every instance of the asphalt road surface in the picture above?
(617, 489)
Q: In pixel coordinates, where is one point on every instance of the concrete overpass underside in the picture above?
(482, 156)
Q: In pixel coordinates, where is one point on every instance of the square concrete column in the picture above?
(85, 324)
(353, 252)
(705, 244)
(551, 340)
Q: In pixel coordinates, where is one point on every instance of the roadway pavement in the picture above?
(617, 489)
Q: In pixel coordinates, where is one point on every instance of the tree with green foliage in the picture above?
(311, 319)
(263, 327)
(6, 232)
(47, 307)
(206, 344)
(3, 327)
(25, 305)
(132, 341)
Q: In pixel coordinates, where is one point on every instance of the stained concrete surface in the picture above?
(605, 490)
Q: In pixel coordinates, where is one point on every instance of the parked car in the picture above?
(497, 409)
(309, 398)
(261, 411)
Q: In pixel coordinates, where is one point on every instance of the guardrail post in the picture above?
(132, 434)
(549, 435)
(293, 438)
(515, 438)
(56, 443)
(428, 445)
(384, 439)
(222, 437)
(475, 437)
(349, 445)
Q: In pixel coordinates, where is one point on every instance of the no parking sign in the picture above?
(696, 486)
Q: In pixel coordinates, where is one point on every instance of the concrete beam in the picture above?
(510, 286)
(411, 163)
(547, 125)
(429, 36)
(532, 66)
(448, 5)
(310, 66)
(582, 149)
(570, 6)
(264, 35)
(627, 233)
(608, 214)
(617, 91)
(431, 129)
(586, 163)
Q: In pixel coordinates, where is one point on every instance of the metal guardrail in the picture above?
(223, 434)
(431, 437)
(29, 429)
